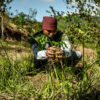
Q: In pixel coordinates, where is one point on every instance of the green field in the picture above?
(20, 80)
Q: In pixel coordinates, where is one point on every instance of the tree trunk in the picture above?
(2, 28)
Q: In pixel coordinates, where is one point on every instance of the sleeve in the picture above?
(66, 47)
(39, 55)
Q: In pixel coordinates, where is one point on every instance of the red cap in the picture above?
(49, 23)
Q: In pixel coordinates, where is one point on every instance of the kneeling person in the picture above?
(52, 44)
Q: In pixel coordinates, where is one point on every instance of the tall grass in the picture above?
(13, 81)
(65, 83)
(70, 86)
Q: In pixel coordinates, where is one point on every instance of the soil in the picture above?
(15, 52)
(89, 54)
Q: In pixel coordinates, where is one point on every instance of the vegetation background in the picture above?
(19, 80)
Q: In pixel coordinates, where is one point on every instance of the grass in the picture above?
(13, 81)
(68, 83)
(16, 43)
(15, 85)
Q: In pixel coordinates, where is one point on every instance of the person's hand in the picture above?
(54, 53)
(50, 53)
(59, 54)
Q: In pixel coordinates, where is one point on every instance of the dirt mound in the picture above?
(89, 54)
(13, 33)
(15, 52)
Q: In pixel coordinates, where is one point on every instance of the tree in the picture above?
(55, 13)
(3, 8)
(32, 14)
(22, 19)
(3, 5)
(26, 22)
(84, 6)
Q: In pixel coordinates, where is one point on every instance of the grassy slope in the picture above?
(24, 67)
(17, 82)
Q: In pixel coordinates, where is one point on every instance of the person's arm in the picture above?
(66, 47)
(39, 55)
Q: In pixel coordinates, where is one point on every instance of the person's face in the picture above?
(50, 32)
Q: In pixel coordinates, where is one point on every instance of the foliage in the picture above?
(13, 82)
(23, 19)
(61, 83)
(3, 10)
(54, 13)
(27, 22)
(77, 28)
(3, 5)
(98, 52)
(68, 83)
(20, 19)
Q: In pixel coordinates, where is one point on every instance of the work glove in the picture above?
(55, 53)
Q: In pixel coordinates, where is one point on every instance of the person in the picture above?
(49, 40)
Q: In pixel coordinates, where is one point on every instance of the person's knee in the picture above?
(79, 54)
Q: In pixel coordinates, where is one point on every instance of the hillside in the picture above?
(20, 80)
(16, 30)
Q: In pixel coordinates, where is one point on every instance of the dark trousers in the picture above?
(70, 61)
(73, 59)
